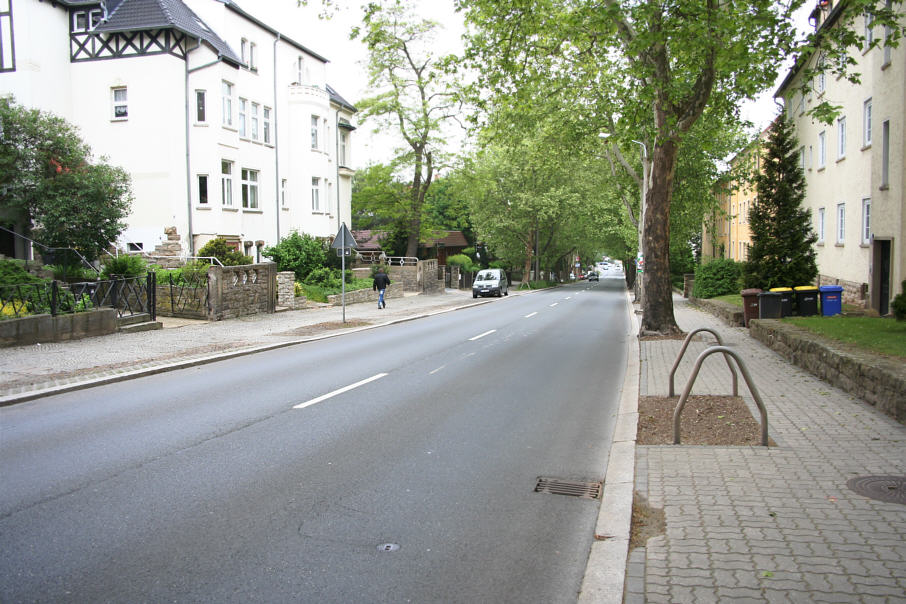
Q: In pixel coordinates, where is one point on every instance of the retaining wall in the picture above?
(366, 295)
(235, 291)
(46, 328)
(730, 313)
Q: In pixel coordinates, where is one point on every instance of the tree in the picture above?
(51, 186)
(413, 94)
(782, 253)
(648, 70)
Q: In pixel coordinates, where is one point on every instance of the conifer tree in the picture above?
(782, 253)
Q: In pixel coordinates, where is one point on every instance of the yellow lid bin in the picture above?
(786, 300)
(806, 300)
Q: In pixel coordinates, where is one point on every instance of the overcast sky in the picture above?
(346, 71)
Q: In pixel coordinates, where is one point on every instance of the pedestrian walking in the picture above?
(381, 281)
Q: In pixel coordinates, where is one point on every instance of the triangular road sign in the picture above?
(344, 239)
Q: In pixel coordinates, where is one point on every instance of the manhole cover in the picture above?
(556, 486)
(388, 547)
(890, 489)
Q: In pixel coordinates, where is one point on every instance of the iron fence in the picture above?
(128, 295)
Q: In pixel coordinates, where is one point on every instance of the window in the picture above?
(200, 114)
(283, 192)
(866, 221)
(841, 138)
(266, 125)
(885, 154)
(801, 105)
(253, 56)
(120, 103)
(203, 189)
(811, 157)
(300, 66)
(866, 123)
(255, 108)
(226, 183)
(802, 158)
(135, 247)
(249, 189)
(7, 52)
(343, 136)
(242, 109)
(888, 31)
(315, 194)
(314, 131)
(85, 20)
(227, 109)
(841, 223)
(822, 149)
(820, 79)
(820, 226)
(244, 51)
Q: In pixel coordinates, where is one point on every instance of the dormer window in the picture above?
(85, 20)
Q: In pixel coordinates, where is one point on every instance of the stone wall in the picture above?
(235, 291)
(169, 253)
(366, 295)
(427, 274)
(731, 314)
(286, 291)
(181, 301)
(46, 328)
(407, 276)
(877, 380)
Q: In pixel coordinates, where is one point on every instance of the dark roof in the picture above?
(368, 240)
(336, 98)
(451, 239)
(137, 15)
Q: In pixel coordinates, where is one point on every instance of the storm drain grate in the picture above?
(890, 489)
(573, 488)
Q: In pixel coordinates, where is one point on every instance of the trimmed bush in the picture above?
(12, 272)
(300, 254)
(220, 249)
(899, 304)
(718, 277)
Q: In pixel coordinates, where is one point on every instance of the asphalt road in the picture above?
(392, 465)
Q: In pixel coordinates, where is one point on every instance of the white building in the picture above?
(226, 124)
(855, 168)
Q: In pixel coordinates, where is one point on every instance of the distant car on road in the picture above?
(593, 276)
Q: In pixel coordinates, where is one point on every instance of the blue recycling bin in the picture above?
(831, 300)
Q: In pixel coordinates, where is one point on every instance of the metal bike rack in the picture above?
(745, 375)
(683, 351)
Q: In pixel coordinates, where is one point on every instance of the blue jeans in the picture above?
(380, 301)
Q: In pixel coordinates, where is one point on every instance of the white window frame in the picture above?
(344, 138)
(869, 29)
(7, 51)
(253, 56)
(822, 222)
(201, 106)
(266, 125)
(254, 125)
(866, 221)
(315, 195)
(244, 51)
(300, 69)
(249, 188)
(91, 18)
(226, 107)
(202, 183)
(841, 137)
(885, 154)
(802, 157)
(283, 200)
(866, 123)
(119, 108)
(841, 223)
(822, 149)
(226, 183)
(243, 108)
(315, 132)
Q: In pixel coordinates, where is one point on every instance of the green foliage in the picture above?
(220, 249)
(300, 254)
(12, 272)
(327, 277)
(51, 182)
(125, 265)
(73, 272)
(783, 253)
(193, 274)
(718, 277)
(463, 262)
(319, 293)
(898, 306)
(876, 334)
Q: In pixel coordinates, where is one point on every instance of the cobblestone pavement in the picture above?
(42, 368)
(754, 524)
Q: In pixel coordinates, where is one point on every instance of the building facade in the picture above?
(855, 168)
(226, 124)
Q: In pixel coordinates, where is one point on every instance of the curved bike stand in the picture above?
(683, 351)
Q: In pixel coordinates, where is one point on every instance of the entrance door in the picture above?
(881, 279)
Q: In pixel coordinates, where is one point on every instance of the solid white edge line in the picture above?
(481, 335)
(340, 391)
(530, 315)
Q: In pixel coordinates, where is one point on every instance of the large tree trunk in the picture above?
(527, 268)
(657, 299)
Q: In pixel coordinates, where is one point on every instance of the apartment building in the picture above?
(854, 167)
(226, 123)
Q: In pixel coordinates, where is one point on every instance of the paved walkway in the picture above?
(778, 524)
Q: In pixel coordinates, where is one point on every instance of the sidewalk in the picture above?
(778, 524)
(42, 369)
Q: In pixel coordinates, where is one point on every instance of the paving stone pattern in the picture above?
(750, 524)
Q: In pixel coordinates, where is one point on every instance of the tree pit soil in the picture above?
(319, 328)
(706, 420)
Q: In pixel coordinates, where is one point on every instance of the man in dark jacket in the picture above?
(381, 281)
